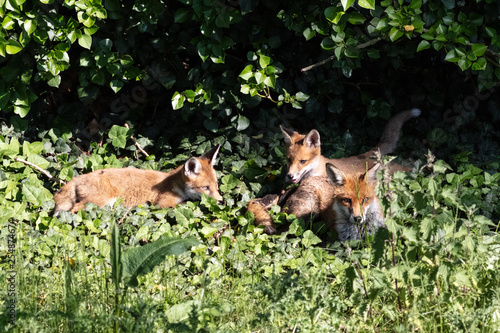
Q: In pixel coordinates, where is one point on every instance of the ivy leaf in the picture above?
(395, 34)
(85, 41)
(423, 45)
(309, 239)
(368, 4)
(119, 136)
(247, 73)
(242, 123)
(478, 49)
(347, 3)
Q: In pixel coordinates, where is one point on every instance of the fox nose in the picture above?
(357, 219)
(291, 178)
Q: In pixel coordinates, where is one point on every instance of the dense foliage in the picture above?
(92, 84)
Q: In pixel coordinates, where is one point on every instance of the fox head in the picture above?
(303, 154)
(199, 176)
(355, 202)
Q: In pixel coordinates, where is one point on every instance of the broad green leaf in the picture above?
(368, 4)
(479, 65)
(177, 101)
(264, 61)
(119, 135)
(116, 85)
(346, 3)
(242, 123)
(55, 81)
(12, 46)
(247, 73)
(30, 26)
(478, 49)
(423, 45)
(142, 260)
(38, 161)
(309, 239)
(85, 41)
(308, 33)
(395, 34)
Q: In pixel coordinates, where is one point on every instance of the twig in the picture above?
(359, 47)
(124, 215)
(36, 167)
(137, 143)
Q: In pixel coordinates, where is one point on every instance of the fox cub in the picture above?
(346, 202)
(303, 152)
(135, 186)
(314, 196)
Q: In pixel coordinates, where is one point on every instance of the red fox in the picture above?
(135, 186)
(303, 152)
(314, 197)
(345, 202)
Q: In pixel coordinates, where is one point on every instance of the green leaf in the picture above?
(247, 73)
(30, 26)
(478, 49)
(308, 33)
(12, 46)
(116, 255)
(38, 161)
(479, 65)
(119, 135)
(368, 4)
(178, 101)
(423, 45)
(242, 123)
(181, 15)
(346, 3)
(309, 239)
(395, 34)
(264, 61)
(356, 18)
(55, 81)
(116, 85)
(85, 41)
(333, 14)
(452, 56)
(142, 260)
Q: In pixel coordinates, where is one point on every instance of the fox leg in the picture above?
(260, 209)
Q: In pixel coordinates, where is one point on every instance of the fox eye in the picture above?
(206, 188)
(347, 201)
(302, 161)
(366, 199)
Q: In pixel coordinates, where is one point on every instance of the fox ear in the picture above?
(336, 176)
(211, 155)
(287, 135)
(312, 139)
(371, 174)
(192, 167)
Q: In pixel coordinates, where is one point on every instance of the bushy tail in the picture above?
(392, 131)
(65, 198)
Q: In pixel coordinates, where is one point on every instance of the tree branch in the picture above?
(36, 167)
(324, 61)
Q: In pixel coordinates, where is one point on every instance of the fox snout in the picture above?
(294, 178)
(356, 219)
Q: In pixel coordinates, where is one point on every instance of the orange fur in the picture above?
(304, 159)
(135, 186)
